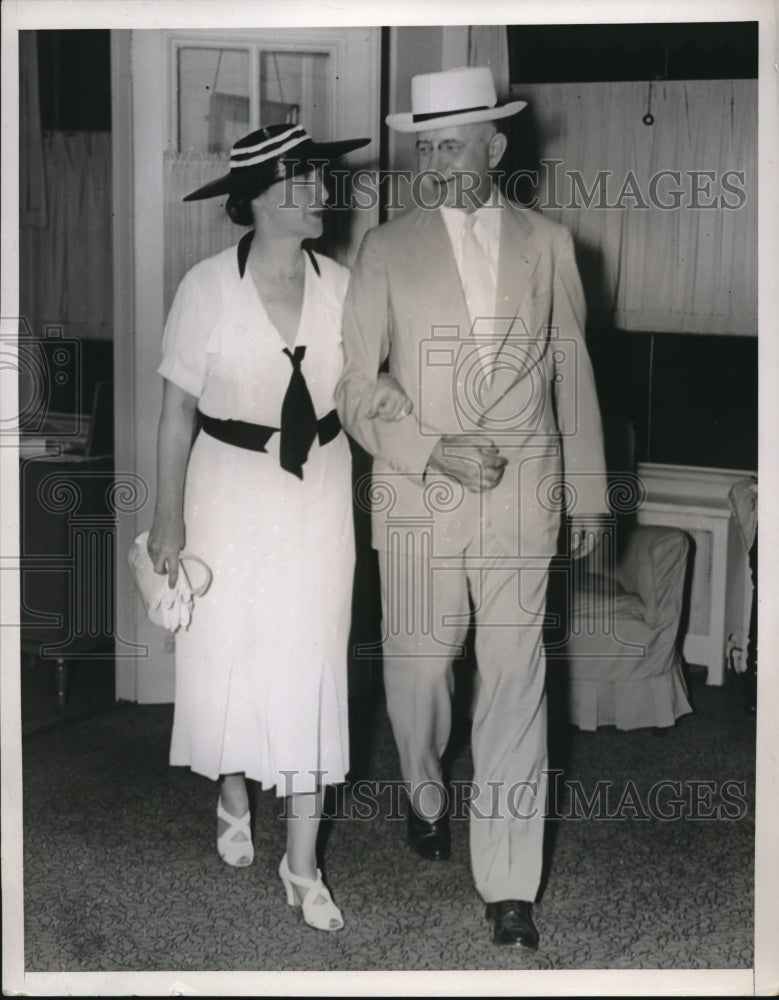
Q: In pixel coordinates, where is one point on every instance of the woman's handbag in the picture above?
(170, 607)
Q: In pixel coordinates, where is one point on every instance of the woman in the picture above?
(253, 343)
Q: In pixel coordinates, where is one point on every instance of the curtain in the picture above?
(32, 178)
(66, 264)
(194, 229)
(648, 263)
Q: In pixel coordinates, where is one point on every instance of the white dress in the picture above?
(261, 671)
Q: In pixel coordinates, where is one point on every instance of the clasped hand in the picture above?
(472, 459)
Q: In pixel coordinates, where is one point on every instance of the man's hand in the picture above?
(389, 400)
(471, 459)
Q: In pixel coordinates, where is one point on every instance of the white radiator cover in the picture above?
(720, 594)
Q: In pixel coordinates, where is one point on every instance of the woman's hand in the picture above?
(166, 540)
(389, 400)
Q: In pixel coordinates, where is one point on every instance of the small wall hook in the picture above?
(649, 118)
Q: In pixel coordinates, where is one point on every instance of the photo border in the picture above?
(132, 14)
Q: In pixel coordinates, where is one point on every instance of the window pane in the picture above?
(295, 87)
(213, 86)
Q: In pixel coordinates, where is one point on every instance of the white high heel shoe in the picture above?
(319, 910)
(238, 853)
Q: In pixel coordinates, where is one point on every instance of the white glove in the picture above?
(174, 604)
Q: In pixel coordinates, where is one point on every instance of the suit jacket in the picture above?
(405, 303)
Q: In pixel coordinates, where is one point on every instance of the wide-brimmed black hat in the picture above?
(269, 155)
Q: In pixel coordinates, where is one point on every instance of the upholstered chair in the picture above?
(618, 636)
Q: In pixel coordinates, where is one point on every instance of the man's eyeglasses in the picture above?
(449, 147)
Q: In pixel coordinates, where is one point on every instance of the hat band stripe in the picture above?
(446, 114)
(245, 158)
(290, 133)
(272, 142)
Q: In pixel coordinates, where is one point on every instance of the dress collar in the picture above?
(245, 245)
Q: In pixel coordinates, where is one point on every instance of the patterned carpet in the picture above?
(121, 871)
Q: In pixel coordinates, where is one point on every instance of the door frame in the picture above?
(144, 664)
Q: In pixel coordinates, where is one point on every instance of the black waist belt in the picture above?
(254, 437)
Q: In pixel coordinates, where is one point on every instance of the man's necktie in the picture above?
(298, 418)
(479, 287)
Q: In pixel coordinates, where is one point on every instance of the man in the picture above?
(478, 307)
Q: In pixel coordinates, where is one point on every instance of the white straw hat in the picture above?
(452, 97)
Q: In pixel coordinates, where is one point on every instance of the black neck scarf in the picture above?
(298, 418)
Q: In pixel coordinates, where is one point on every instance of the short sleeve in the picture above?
(185, 337)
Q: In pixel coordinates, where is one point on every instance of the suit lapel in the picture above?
(439, 292)
(517, 262)
(436, 275)
(519, 252)
(435, 269)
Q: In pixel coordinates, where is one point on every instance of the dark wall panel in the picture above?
(74, 74)
(704, 401)
(622, 365)
(692, 397)
(585, 53)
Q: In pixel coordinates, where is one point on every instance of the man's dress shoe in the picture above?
(512, 923)
(430, 841)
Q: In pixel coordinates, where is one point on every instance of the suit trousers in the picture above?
(426, 614)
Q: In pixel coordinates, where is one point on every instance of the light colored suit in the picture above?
(436, 540)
